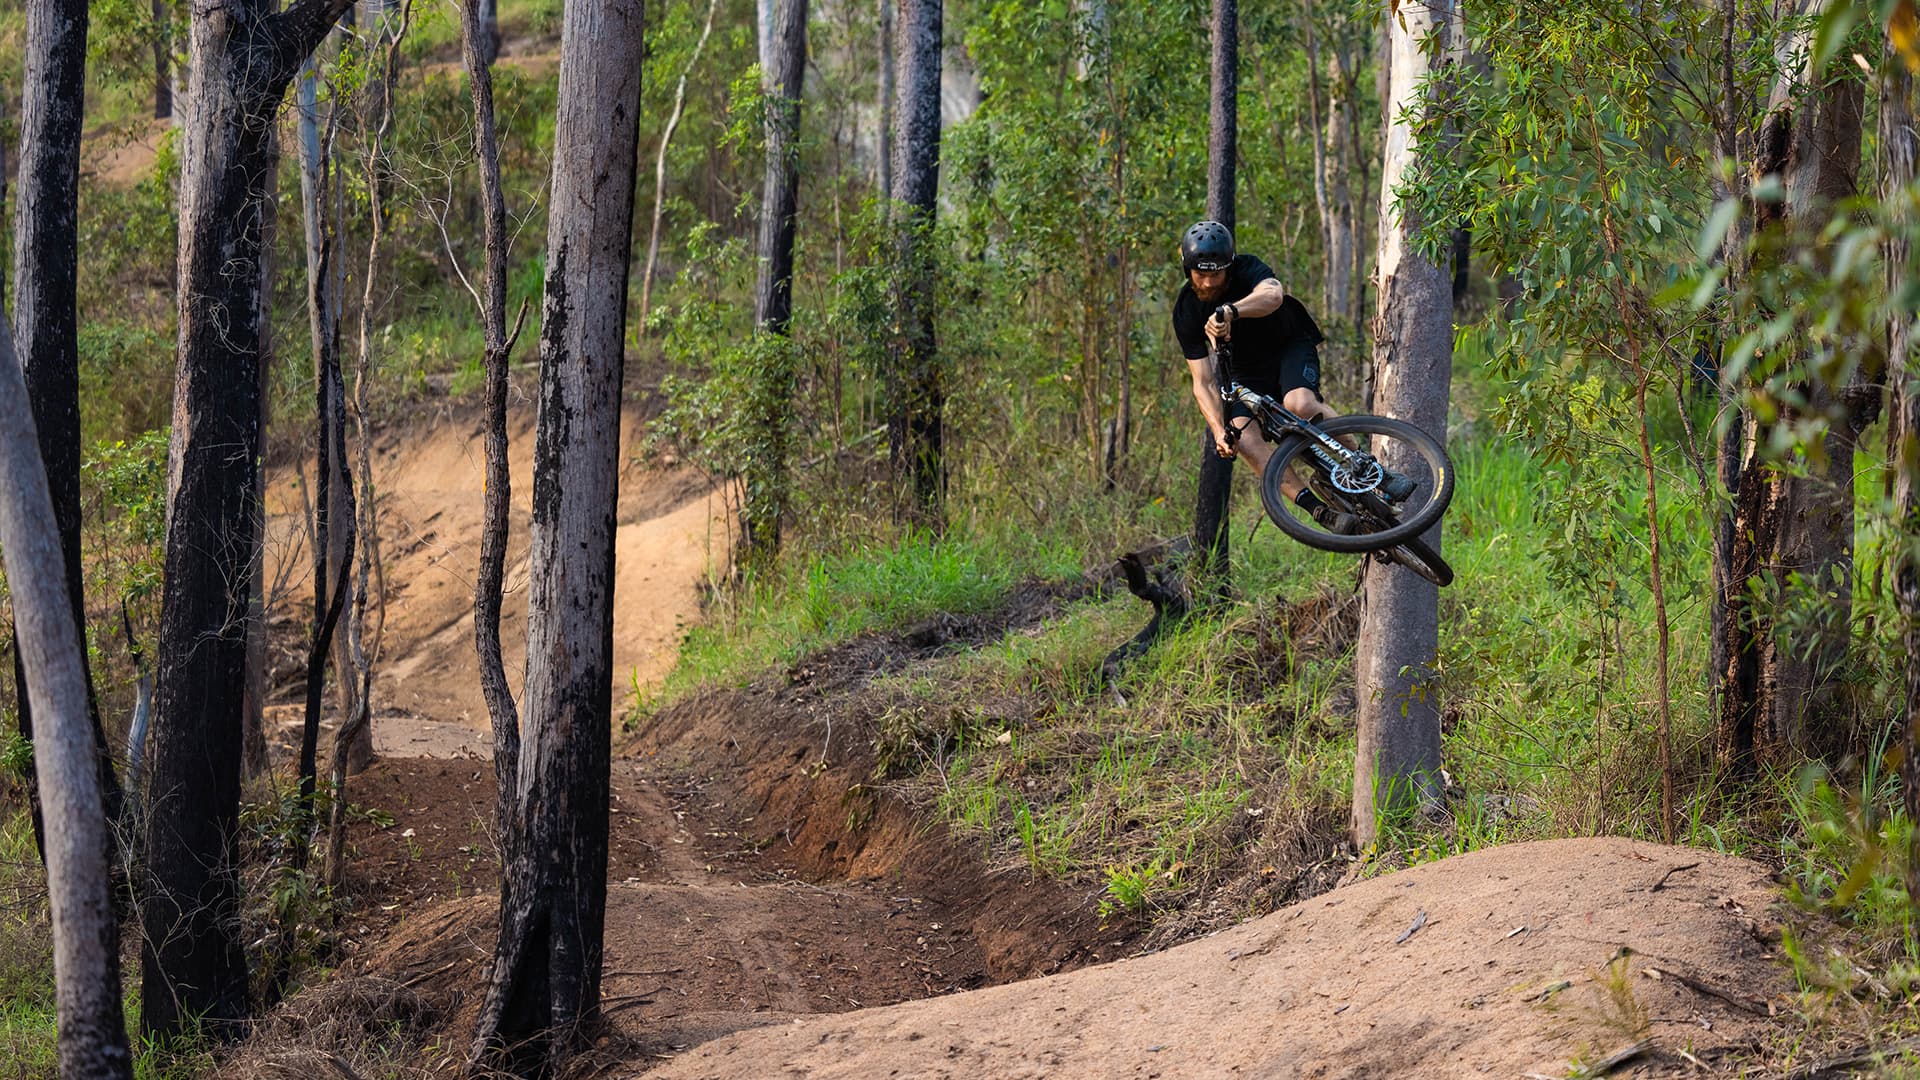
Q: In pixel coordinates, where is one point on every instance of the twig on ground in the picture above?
(1671, 870)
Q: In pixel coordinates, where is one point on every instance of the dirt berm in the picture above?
(1528, 958)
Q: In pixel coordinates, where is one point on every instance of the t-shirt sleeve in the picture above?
(1191, 330)
(1255, 272)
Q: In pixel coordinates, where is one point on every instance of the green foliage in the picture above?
(16, 754)
(1129, 889)
(1849, 853)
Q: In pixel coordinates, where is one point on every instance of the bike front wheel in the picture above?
(1394, 444)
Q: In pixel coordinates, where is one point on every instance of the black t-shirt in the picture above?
(1258, 342)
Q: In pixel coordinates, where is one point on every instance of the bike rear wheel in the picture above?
(1396, 444)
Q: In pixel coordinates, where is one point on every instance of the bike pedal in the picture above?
(1396, 487)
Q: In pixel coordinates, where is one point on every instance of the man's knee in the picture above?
(1302, 401)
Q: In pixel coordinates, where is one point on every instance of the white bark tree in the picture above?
(92, 1039)
(1398, 762)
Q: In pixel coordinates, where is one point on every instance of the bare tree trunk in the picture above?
(1330, 142)
(354, 739)
(254, 756)
(46, 330)
(92, 1040)
(493, 533)
(660, 173)
(884, 164)
(357, 713)
(333, 497)
(162, 60)
(489, 38)
(242, 55)
(1397, 766)
(1210, 531)
(1778, 694)
(323, 217)
(765, 465)
(544, 994)
(915, 430)
(763, 36)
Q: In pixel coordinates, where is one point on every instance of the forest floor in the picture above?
(770, 897)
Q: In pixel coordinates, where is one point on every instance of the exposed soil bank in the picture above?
(1515, 960)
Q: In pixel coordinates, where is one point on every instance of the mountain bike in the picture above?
(1351, 462)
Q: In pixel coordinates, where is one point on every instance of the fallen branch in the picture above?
(1701, 986)
(1169, 600)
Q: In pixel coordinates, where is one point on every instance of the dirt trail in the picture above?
(672, 533)
(1490, 964)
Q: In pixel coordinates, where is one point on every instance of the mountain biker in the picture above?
(1230, 296)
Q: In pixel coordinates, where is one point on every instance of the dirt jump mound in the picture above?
(1529, 958)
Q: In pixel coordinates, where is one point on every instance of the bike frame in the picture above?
(1276, 420)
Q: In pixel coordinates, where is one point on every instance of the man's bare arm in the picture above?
(1265, 299)
(1206, 390)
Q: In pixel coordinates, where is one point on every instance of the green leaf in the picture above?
(1716, 229)
(1832, 32)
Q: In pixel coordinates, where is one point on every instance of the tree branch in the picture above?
(298, 30)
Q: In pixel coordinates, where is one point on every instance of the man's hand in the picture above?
(1220, 324)
(1220, 444)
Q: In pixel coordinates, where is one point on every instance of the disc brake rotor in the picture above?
(1355, 476)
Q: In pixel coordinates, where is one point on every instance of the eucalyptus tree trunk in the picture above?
(162, 60)
(1899, 152)
(1331, 115)
(1778, 694)
(489, 38)
(660, 170)
(884, 158)
(254, 756)
(46, 319)
(92, 1033)
(763, 18)
(242, 56)
(765, 468)
(332, 524)
(1210, 531)
(323, 218)
(501, 710)
(353, 741)
(1397, 766)
(915, 432)
(388, 24)
(544, 992)
(1353, 61)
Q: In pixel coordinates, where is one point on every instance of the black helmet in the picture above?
(1208, 245)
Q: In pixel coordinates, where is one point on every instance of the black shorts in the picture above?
(1299, 366)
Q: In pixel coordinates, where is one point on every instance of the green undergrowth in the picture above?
(835, 597)
(28, 1028)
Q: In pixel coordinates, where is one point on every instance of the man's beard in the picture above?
(1210, 296)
